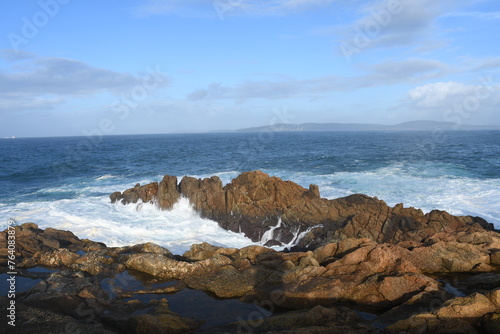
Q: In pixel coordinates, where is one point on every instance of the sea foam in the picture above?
(84, 208)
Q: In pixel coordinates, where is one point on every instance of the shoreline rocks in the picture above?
(326, 290)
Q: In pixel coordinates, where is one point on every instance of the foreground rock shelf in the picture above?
(352, 286)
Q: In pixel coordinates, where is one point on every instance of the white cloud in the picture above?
(223, 8)
(387, 73)
(486, 63)
(457, 102)
(13, 56)
(407, 71)
(439, 94)
(44, 82)
(189, 8)
(395, 23)
(19, 103)
(476, 15)
(448, 94)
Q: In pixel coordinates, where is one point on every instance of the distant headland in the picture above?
(406, 126)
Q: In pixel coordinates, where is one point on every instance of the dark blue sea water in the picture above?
(65, 182)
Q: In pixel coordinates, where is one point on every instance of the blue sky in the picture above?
(72, 67)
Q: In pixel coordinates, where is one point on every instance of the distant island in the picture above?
(406, 126)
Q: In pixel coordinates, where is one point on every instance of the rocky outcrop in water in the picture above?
(255, 203)
(407, 287)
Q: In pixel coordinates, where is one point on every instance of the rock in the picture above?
(31, 319)
(458, 315)
(254, 202)
(450, 257)
(158, 319)
(482, 281)
(319, 320)
(495, 257)
(57, 258)
(362, 272)
(490, 323)
(35, 246)
(470, 308)
(99, 285)
(313, 191)
(65, 292)
(116, 196)
(419, 303)
(201, 251)
(164, 323)
(95, 262)
(225, 282)
(146, 193)
(307, 261)
(159, 265)
(206, 195)
(168, 193)
(83, 298)
(371, 275)
(454, 251)
(326, 253)
(150, 247)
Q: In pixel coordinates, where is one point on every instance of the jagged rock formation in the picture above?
(254, 202)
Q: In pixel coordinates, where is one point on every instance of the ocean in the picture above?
(65, 182)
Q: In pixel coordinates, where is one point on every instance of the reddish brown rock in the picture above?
(33, 243)
(254, 202)
(201, 251)
(168, 193)
(371, 274)
(458, 315)
(384, 277)
(359, 271)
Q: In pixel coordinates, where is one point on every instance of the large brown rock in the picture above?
(358, 272)
(370, 274)
(33, 243)
(458, 315)
(254, 202)
(146, 193)
(168, 193)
